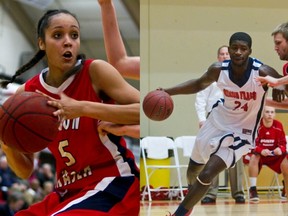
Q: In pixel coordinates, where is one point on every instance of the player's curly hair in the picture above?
(241, 36)
(43, 24)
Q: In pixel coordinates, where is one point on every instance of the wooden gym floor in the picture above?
(269, 205)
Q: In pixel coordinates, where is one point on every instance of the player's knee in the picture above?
(193, 171)
(254, 159)
(284, 167)
(206, 176)
(203, 182)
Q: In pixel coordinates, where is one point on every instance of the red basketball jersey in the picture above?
(271, 138)
(83, 157)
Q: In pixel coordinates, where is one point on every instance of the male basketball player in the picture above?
(230, 129)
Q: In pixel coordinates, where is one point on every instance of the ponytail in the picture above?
(38, 56)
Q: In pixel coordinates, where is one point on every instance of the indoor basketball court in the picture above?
(268, 205)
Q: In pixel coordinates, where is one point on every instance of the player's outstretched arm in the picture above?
(278, 105)
(128, 66)
(195, 85)
(268, 74)
(270, 81)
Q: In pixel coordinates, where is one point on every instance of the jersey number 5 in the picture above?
(64, 154)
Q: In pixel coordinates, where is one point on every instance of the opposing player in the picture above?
(128, 66)
(96, 175)
(230, 129)
(280, 36)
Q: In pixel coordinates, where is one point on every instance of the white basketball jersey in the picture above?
(241, 109)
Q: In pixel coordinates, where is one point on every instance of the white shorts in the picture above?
(226, 144)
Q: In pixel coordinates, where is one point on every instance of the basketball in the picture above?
(158, 105)
(27, 122)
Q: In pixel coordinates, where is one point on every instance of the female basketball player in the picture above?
(96, 174)
(229, 130)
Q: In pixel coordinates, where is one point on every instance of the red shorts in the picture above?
(273, 162)
(103, 204)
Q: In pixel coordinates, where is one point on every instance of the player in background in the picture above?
(230, 129)
(204, 102)
(280, 36)
(96, 175)
(128, 66)
(270, 150)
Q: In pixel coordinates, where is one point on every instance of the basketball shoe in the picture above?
(253, 194)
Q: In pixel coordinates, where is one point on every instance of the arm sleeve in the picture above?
(281, 138)
(258, 149)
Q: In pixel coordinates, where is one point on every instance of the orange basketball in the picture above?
(158, 105)
(27, 123)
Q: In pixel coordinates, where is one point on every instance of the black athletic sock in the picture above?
(181, 211)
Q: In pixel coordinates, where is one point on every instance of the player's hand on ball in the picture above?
(67, 108)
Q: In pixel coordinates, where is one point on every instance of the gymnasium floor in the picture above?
(270, 205)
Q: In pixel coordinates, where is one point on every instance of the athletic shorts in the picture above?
(225, 144)
(90, 202)
(273, 162)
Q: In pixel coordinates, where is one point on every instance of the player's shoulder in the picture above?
(277, 123)
(214, 70)
(216, 65)
(98, 65)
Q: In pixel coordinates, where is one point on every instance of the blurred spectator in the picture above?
(36, 190)
(48, 187)
(7, 177)
(45, 173)
(15, 202)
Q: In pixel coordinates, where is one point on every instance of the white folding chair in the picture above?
(157, 148)
(186, 143)
(275, 184)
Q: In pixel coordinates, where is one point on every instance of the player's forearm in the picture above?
(282, 81)
(131, 130)
(258, 149)
(278, 105)
(119, 114)
(183, 88)
(114, 45)
(21, 164)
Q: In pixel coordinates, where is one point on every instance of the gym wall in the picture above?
(180, 38)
